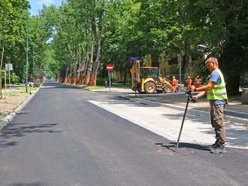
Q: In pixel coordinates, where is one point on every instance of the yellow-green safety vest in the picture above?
(218, 92)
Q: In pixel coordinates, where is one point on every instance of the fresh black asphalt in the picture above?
(60, 139)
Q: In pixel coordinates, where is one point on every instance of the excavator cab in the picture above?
(149, 73)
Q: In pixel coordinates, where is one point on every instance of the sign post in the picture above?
(5, 77)
(109, 69)
(9, 67)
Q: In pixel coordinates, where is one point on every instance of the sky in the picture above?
(36, 5)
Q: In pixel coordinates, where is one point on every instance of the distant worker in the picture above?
(174, 84)
(197, 81)
(188, 83)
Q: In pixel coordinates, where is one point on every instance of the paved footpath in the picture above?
(165, 120)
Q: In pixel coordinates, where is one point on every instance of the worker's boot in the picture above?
(218, 147)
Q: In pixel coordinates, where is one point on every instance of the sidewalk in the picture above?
(234, 107)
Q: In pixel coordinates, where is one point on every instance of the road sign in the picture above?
(8, 67)
(134, 58)
(109, 67)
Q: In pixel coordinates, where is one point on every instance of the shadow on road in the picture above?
(12, 131)
(172, 146)
(53, 84)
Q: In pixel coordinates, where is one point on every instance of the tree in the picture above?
(222, 26)
(13, 15)
(87, 35)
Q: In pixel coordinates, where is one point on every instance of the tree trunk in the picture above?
(185, 58)
(125, 74)
(1, 66)
(96, 64)
(89, 69)
(85, 66)
(78, 70)
(155, 62)
(231, 72)
(66, 75)
(232, 85)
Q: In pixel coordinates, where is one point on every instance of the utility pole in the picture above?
(33, 61)
(27, 59)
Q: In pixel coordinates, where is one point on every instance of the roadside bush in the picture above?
(15, 79)
(100, 81)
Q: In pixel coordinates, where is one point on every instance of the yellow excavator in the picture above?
(147, 80)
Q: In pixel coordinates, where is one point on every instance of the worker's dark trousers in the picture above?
(217, 121)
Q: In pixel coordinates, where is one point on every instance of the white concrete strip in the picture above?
(244, 120)
(166, 122)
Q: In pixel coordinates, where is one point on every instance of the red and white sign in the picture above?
(109, 67)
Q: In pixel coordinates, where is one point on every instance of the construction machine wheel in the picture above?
(150, 88)
(167, 88)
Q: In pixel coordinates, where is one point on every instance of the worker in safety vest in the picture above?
(174, 83)
(217, 96)
(197, 81)
(188, 83)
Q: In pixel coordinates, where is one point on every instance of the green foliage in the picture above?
(60, 36)
(13, 15)
(15, 79)
(222, 26)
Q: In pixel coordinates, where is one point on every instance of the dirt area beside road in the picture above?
(9, 103)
